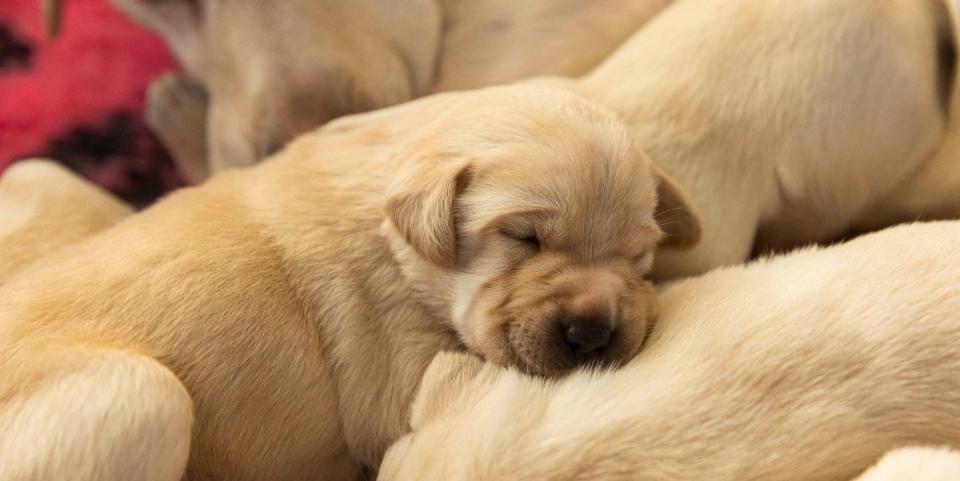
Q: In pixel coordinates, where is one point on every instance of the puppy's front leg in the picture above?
(177, 114)
(84, 413)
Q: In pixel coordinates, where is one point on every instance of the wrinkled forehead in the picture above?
(582, 188)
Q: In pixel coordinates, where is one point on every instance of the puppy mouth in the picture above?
(509, 352)
(538, 352)
(545, 352)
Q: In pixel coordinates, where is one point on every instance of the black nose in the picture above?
(587, 337)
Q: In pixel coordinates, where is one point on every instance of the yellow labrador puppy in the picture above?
(792, 122)
(277, 69)
(275, 322)
(43, 207)
(806, 367)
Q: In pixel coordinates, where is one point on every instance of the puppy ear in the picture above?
(675, 214)
(450, 376)
(421, 207)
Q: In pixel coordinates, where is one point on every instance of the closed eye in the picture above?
(531, 241)
(523, 237)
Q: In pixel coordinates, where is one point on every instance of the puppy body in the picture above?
(262, 323)
(789, 122)
(805, 367)
(931, 189)
(44, 207)
(493, 42)
(273, 73)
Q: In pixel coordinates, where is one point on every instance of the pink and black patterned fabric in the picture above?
(78, 98)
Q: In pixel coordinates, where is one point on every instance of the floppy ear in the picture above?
(421, 206)
(675, 214)
(450, 376)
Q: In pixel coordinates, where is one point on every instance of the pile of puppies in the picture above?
(289, 320)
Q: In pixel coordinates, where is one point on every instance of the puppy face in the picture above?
(536, 233)
(554, 247)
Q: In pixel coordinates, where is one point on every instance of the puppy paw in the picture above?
(177, 113)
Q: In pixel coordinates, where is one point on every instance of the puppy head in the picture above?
(531, 221)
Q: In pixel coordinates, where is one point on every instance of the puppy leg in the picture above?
(43, 207)
(177, 114)
(84, 413)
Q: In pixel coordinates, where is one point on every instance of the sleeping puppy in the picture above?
(275, 322)
(806, 367)
(43, 207)
(274, 71)
(792, 122)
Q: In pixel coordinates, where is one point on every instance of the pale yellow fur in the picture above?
(272, 72)
(916, 464)
(44, 207)
(790, 122)
(806, 367)
(272, 322)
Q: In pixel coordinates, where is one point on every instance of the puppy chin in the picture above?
(540, 350)
(491, 341)
(524, 345)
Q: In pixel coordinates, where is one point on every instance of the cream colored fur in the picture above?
(275, 322)
(786, 122)
(791, 122)
(44, 207)
(806, 367)
(274, 72)
(916, 464)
